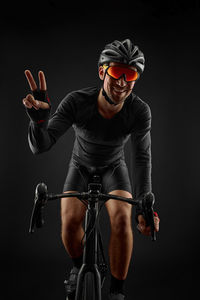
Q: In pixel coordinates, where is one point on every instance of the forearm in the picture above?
(142, 167)
(141, 150)
(142, 164)
(142, 182)
(43, 136)
(142, 178)
(39, 138)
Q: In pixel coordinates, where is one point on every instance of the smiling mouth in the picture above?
(118, 91)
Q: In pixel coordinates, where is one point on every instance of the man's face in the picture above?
(116, 89)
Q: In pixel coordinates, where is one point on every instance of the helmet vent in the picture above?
(125, 52)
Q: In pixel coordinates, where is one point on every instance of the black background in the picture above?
(64, 40)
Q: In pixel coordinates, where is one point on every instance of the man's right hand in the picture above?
(30, 101)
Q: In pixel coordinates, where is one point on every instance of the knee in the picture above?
(120, 223)
(70, 223)
(72, 215)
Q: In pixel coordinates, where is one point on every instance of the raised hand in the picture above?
(31, 100)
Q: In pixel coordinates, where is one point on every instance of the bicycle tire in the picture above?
(89, 292)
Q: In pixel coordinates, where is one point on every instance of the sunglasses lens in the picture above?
(117, 72)
(131, 75)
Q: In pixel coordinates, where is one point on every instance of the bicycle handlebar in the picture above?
(40, 200)
(42, 197)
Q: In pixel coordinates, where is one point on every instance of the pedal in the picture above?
(70, 292)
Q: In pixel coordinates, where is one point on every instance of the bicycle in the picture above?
(94, 268)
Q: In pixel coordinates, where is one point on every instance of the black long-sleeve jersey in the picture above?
(100, 141)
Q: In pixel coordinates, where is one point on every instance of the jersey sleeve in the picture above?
(42, 137)
(141, 152)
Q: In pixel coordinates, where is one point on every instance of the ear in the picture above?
(101, 72)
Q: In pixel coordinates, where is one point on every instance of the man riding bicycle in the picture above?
(103, 120)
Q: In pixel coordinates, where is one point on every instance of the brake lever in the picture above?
(37, 219)
(147, 205)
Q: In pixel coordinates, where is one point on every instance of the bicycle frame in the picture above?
(91, 237)
(91, 248)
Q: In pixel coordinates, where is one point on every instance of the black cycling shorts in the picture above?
(113, 177)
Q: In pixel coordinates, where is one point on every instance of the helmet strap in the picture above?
(107, 98)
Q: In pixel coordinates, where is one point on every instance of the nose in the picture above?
(121, 81)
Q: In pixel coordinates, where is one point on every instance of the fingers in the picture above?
(30, 102)
(31, 81)
(42, 81)
(27, 103)
(142, 226)
(146, 230)
(156, 223)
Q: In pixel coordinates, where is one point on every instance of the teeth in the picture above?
(119, 91)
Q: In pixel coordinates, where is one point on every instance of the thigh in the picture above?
(77, 178)
(116, 178)
(118, 209)
(72, 209)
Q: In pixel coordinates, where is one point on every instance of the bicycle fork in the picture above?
(90, 253)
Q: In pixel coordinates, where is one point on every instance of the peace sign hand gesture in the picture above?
(37, 104)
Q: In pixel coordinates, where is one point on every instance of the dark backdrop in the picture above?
(64, 40)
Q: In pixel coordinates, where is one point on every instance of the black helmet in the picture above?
(124, 52)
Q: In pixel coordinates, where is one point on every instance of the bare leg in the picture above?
(72, 216)
(121, 239)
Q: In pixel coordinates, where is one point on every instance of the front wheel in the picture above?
(89, 292)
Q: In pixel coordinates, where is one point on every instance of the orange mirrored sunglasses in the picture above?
(117, 72)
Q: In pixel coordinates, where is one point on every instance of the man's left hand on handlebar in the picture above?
(146, 230)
